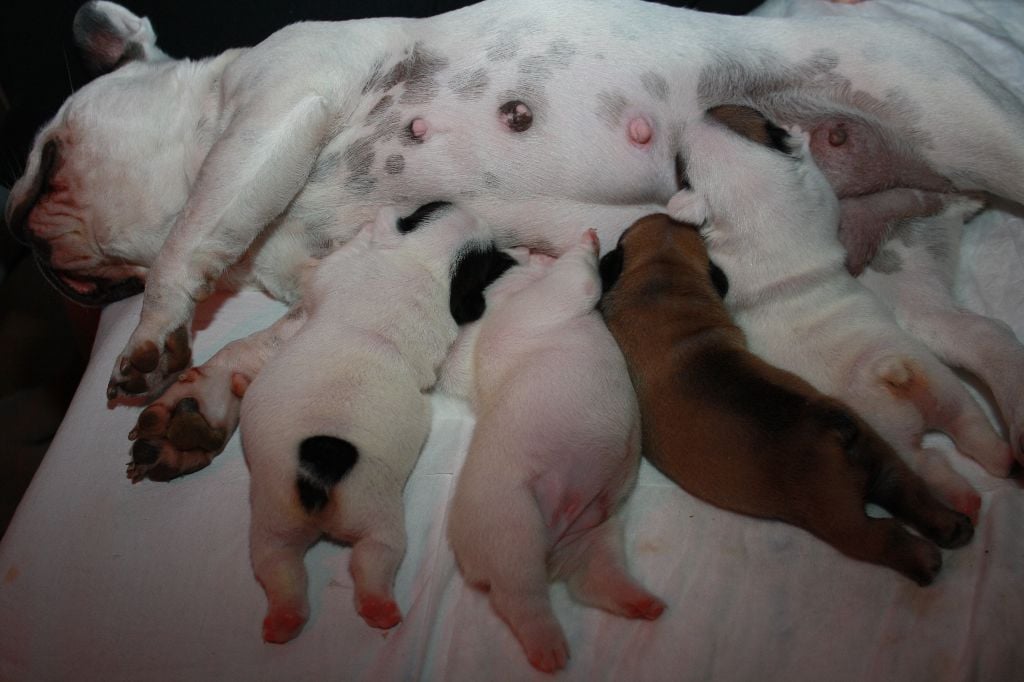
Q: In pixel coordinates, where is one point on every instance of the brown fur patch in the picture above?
(178, 350)
(745, 121)
(749, 437)
(146, 357)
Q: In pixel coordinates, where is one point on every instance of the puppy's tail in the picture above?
(323, 461)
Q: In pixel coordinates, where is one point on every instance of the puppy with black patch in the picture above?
(771, 221)
(334, 423)
(746, 436)
(554, 453)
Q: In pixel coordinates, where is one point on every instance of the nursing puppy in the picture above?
(333, 424)
(744, 435)
(554, 454)
(770, 219)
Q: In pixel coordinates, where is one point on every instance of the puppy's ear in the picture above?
(718, 279)
(473, 272)
(753, 125)
(610, 268)
(109, 36)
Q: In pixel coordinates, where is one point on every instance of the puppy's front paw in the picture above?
(145, 365)
(188, 425)
(800, 140)
(687, 206)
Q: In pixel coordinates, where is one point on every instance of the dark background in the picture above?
(45, 340)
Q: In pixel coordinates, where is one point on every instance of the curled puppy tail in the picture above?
(323, 461)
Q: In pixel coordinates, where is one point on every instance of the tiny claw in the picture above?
(125, 365)
(133, 434)
(111, 391)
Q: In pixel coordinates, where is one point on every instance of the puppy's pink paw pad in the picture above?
(968, 504)
(551, 658)
(379, 613)
(282, 625)
(648, 608)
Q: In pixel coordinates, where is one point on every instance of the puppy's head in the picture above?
(449, 242)
(661, 250)
(745, 169)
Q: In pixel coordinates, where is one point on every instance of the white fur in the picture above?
(237, 167)
(554, 453)
(236, 151)
(377, 328)
(771, 226)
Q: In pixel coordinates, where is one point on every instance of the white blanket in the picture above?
(104, 580)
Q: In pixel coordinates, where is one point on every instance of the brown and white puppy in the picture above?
(770, 219)
(744, 435)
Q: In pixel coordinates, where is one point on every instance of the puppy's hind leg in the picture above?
(840, 520)
(501, 546)
(277, 549)
(947, 406)
(987, 349)
(894, 486)
(832, 494)
(375, 560)
(952, 488)
(595, 565)
(256, 167)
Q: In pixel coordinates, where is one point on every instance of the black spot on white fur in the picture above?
(472, 273)
(780, 140)
(394, 164)
(323, 461)
(610, 268)
(719, 279)
(423, 214)
(682, 179)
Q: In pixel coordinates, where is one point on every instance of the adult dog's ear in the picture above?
(109, 36)
(753, 125)
(610, 268)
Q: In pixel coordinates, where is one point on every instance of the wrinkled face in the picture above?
(90, 204)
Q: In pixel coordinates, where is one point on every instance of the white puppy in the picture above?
(334, 423)
(555, 452)
(771, 221)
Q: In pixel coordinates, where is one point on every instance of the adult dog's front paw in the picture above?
(145, 366)
(188, 425)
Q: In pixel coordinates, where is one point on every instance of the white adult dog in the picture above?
(769, 218)
(538, 117)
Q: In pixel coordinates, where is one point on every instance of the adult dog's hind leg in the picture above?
(251, 173)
